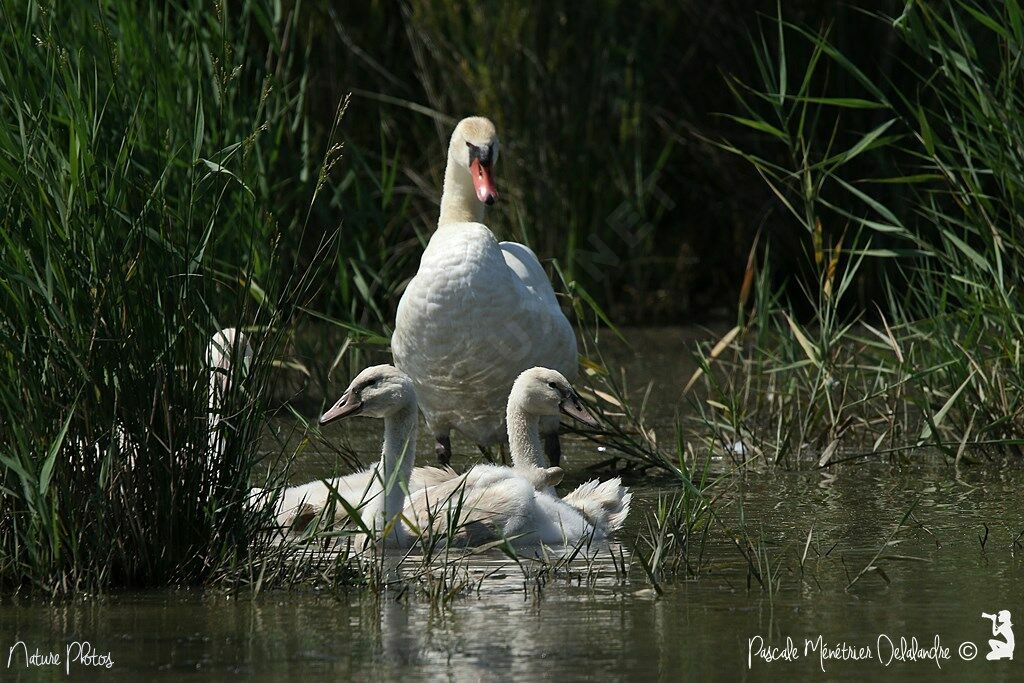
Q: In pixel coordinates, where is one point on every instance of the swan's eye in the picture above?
(553, 386)
(482, 154)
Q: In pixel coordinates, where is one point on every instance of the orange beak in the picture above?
(482, 181)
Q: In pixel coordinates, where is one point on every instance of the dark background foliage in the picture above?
(608, 112)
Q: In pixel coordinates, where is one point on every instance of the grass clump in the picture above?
(151, 177)
(920, 207)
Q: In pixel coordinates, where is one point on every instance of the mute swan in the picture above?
(298, 505)
(478, 311)
(539, 393)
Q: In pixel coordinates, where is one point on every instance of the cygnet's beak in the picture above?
(483, 182)
(346, 406)
(572, 406)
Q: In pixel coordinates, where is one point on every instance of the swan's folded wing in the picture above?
(469, 509)
(525, 264)
(552, 335)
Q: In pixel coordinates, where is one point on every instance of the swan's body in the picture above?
(298, 505)
(499, 504)
(478, 312)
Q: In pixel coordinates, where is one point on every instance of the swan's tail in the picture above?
(604, 504)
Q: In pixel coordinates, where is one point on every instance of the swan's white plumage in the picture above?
(526, 266)
(493, 502)
(605, 504)
(228, 355)
(489, 502)
(297, 505)
(477, 313)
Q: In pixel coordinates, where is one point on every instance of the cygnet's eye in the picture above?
(553, 386)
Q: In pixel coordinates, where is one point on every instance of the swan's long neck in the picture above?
(524, 437)
(215, 402)
(458, 198)
(394, 470)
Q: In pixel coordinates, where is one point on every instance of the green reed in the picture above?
(913, 182)
(153, 176)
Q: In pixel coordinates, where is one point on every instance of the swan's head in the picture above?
(545, 392)
(379, 391)
(474, 146)
(229, 346)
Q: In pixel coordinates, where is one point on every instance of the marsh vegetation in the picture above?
(848, 228)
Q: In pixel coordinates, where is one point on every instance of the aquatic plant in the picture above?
(924, 199)
(152, 183)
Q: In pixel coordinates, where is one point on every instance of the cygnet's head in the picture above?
(474, 146)
(545, 392)
(378, 391)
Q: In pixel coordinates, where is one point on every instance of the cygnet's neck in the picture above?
(524, 436)
(394, 470)
(458, 197)
(215, 402)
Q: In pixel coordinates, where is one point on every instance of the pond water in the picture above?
(815, 530)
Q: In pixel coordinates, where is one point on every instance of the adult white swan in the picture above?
(478, 312)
